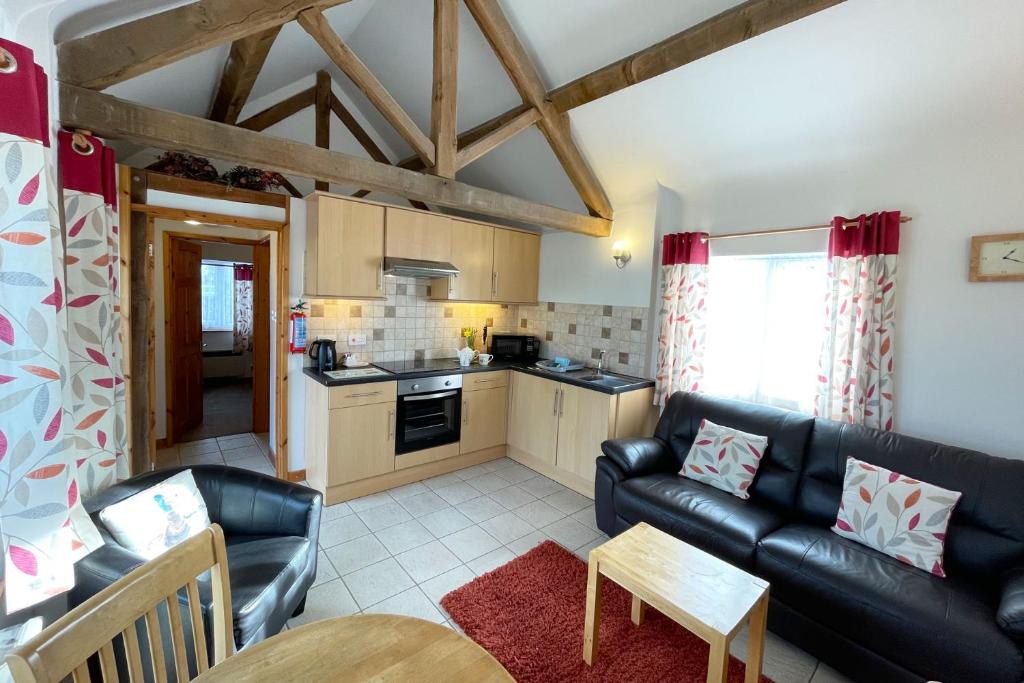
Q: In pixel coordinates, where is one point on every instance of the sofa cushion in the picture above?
(779, 472)
(942, 629)
(725, 458)
(262, 571)
(712, 520)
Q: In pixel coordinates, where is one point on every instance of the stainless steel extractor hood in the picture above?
(407, 267)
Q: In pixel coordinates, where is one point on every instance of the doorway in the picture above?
(217, 348)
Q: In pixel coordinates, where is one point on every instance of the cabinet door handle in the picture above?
(494, 283)
(391, 424)
(465, 412)
(561, 401)
(483, 381)
(554, 409)
(380, 276)
(365, 393)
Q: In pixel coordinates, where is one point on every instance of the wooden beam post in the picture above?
(443, 108)
(527, 80)
(244, 63)
(111, 117)
(317, 26)
(142, 333)
(323, 117)
(116, 54)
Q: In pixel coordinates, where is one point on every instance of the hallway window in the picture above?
(218, 284)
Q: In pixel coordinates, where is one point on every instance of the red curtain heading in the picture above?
(243, 271)
(87, 166)
(878, 233)
(684, 247)
(24, 107)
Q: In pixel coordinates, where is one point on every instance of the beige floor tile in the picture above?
(423, 504)
(446, 521)
(335, 511)
(383, 516)
(783, 661)
(235, 441)
(440, 586)
(470, 543)
(480, 509)
(567, 501)
(369, 502)
(523, 545)
(214, 458)
(328, 600)
(541, 486)
(247, 451)
(409, 603)
(200, 446)
(489, 482)
(458, 493)
(412, 489)
(340, 530)
(569, 533)
(353, 555)
(377, 582)
(491, 561)
(587, 516)
(405, 536)
(513, 496)
(506, 527)
(325, 571)
(427, 561)
(539, 514)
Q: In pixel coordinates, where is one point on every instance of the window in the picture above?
(218, 284)
(765, 328)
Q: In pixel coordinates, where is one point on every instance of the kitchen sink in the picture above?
(604, 380)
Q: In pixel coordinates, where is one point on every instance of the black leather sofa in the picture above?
(271, 528)
(862, 612)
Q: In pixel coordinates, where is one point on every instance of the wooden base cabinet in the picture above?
(484, 411)
(557, 428)
(362, 442)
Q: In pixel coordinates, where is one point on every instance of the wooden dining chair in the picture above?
(105, 625)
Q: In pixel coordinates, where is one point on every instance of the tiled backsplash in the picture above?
(407, 325)
(581, 331)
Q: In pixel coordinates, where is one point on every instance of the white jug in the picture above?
(465, 356)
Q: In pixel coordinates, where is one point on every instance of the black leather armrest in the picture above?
(1010, 615)
(249, 503)
(102, 567)
(638, 456)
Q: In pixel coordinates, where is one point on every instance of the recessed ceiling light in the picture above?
(190, 222)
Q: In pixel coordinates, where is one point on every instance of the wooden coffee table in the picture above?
(709, 597)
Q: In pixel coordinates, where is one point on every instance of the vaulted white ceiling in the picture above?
(843, 78)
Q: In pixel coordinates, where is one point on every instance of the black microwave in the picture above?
(523, 347)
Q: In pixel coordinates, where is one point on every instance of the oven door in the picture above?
(428, 420)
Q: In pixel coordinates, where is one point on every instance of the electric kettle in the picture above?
(324, 352)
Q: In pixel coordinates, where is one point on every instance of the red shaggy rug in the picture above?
(529, 615)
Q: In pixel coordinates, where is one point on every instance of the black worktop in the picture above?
(495, 365)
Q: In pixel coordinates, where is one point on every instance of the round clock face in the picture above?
(1002, 258)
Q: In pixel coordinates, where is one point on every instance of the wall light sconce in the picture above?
(620, 252)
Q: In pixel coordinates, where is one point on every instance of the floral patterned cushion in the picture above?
(725, 458)
(896, 515)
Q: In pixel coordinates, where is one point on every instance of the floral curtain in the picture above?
(855, 383)
(242, 340)
(92, 265)
(43, 526)
(684, 284)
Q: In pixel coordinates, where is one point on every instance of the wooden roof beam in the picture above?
(527, 80)
(317, 26)
(246, 59)
(112, 117)
(280, 111)
(101, 59)
(498, 136)
(443, 106)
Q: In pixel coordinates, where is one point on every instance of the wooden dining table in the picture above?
(365, 647)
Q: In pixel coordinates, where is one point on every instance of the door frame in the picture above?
(139, 313)
(258, 315)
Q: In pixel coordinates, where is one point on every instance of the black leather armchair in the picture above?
(271, 528)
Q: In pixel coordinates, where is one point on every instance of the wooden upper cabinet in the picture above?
(473, 255)
(344, 248)
(418, 235)
(516, 266)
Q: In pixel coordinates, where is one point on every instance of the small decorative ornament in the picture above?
(996, 258)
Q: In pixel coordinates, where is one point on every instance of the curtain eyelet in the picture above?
(8, 63)
(82, 145)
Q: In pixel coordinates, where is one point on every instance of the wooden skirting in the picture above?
(161, 443)
(364, 487)
(297, 475)
(568, 479)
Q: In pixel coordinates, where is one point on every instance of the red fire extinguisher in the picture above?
(297, 331)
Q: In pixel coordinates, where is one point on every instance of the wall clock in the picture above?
(996, 258)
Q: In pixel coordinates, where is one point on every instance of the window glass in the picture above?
(218, 285)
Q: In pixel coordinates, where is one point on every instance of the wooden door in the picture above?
(185, 341)
(418, 235)
(484, 419)
(585, 420)
(261, 337)
(361, 442)
(533, 420)
(516, 266)
(350, 249)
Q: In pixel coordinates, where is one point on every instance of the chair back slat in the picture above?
(154, 637)
(108, 664)
(133, 655)
(104, 626)
(177, 637)
(196, 618)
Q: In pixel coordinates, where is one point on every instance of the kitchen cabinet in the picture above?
(557, 428)
(516, 266)
(418, 235)
(484, 410)
(361, 442)
(473, 255)
(533, 418)
(344, 248)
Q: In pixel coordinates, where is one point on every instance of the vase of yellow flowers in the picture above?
(469, 334)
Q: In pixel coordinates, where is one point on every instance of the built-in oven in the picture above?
(429, 413)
